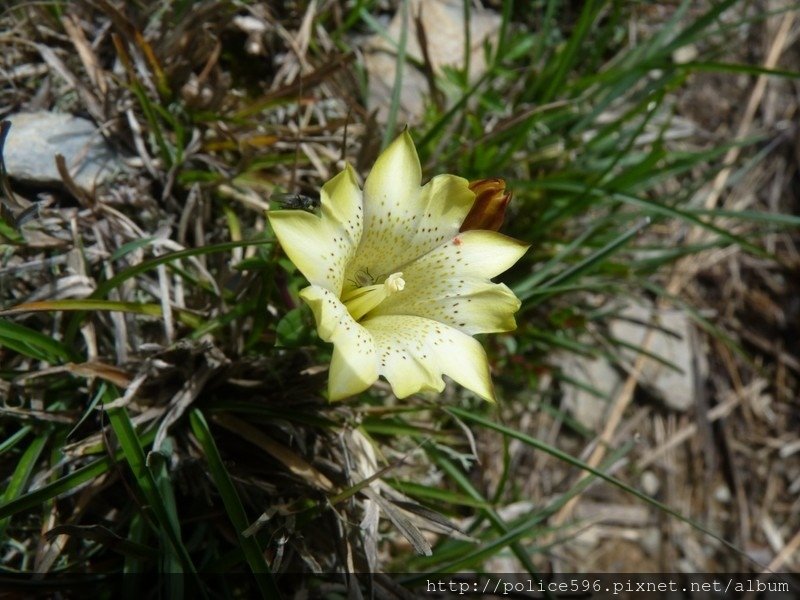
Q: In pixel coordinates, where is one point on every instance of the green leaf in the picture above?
(8, 232)
(291, 331)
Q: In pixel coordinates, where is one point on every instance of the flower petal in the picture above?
(394, 179)
(451, 284)
(341, 202)
(414, 353)
(322, 245)
(403, 221)
(477, 306)
(354, 364)
(443, 205)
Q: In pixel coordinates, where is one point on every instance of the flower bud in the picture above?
(489, 209)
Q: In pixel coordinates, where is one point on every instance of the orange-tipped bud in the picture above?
(489, 210)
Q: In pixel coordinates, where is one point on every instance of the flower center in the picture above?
(359, 301)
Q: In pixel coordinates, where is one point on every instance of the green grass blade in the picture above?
(781, 220)
(494, 518)
(170, 563)
(400, 63)
(545, 33)
(431, 493)
(563, 456)
(695, 30)
(130, 247)
(649, 206)
(462, 555)
(596, 257)
(90, 304)
(106, 286)
(234, 508)
(583, 266)
(457, 109)
(31, 343)
(21, 475)
(567, 58)
(66, 483)
(722, 67)
(8, 230)
(133, 451)
(137, 534)
(12, 440)
(530, 283)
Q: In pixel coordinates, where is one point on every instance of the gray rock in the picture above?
(675, 389)
(443, 24)
(672, 342)
(35, 139)
(586, 407)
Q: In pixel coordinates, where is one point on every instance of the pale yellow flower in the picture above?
(394, 285)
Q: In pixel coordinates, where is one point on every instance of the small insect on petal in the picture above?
(297, 202)
(489, 209)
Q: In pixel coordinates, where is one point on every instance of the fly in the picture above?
(297, 202)
(363, 278)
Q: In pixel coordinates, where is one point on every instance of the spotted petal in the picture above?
(322, 245)
(415, 352)
(401, 220)
(451, 284)
(354, 364)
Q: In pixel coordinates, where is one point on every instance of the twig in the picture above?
(781, 558)
(750, 110)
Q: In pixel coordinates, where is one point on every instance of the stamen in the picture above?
(362, 300)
